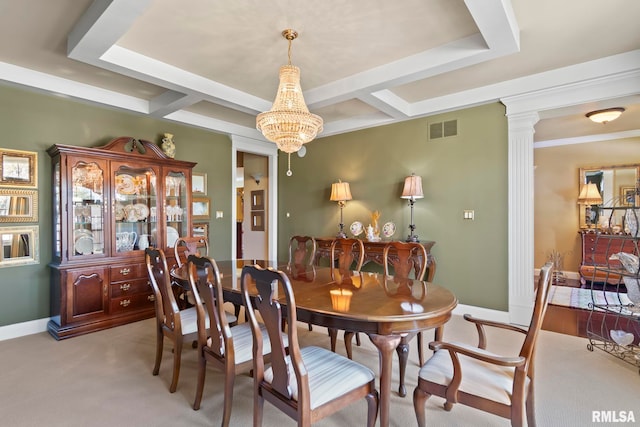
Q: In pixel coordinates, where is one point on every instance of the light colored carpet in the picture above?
(104, 379)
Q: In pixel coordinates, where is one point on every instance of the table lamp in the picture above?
(340, 192)
(589, 195)
(412, 191)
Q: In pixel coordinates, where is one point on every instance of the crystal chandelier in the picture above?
(289, 123)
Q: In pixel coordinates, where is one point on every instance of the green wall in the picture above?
(32, 121)
(468, 171)
(464, 172)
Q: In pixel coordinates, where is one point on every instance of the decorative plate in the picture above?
(141, 211)
(125, 184)
(172, 236)
(356, 228)
(388, 229)
(81, 232)
(120, 212)
(84, 245)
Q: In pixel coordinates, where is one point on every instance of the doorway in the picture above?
(256, 156)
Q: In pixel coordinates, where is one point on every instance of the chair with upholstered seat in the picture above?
(302, 254)
(171, 322)
(182, 248)
(227, 348)
(474, 376)
(302, 250)
(349, 253)
(401, 256)
(311, 382)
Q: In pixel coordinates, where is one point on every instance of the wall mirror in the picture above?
(18, 205)
(20, 246)
(617, 184)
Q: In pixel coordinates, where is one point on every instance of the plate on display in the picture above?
(388, 229)
(84, 245)
(81, 232)
(120, 212)
(141, 211)
(172, 236)
(356, 228)
(125, 184)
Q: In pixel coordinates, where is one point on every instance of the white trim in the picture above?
(17, 330)
(482, 313)
(587, 138)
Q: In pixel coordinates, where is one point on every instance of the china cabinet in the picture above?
(109, 204)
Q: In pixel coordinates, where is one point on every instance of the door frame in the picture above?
(263, 148)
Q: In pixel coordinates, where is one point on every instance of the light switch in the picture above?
(219, 214)
(468, 214)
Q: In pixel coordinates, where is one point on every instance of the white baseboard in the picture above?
(483, 313)
(21, 329)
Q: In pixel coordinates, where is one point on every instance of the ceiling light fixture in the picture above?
(605, 116)
(289, 123)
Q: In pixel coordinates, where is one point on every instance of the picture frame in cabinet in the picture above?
(627, 196)
(17, 205)
(200, 208)
(201, 229)
(199, 183)
(18, 168)
(20, 245)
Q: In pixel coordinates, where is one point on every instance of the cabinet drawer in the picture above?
(131, 303)
(130, 287)
(128, 272)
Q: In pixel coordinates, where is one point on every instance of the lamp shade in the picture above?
(589, 195)
(412, 188)
(340, 192)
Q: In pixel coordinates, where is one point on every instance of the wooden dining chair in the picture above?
(228, 348)
(349, 254)
(309, 383)
(302, 250)
(474, 376)
(302, 253)
(182, 248)
(401, 256)
(171, 322)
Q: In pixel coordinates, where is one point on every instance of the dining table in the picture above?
(382, 307)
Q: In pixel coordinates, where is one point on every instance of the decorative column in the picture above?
(521, 236)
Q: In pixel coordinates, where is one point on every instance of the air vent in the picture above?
(443, 129)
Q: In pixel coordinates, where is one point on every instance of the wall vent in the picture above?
(443, 129)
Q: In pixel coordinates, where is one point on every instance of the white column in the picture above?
(521, 237)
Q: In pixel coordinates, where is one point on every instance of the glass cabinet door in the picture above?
(135, 210)
(88, 205)
(176, 208)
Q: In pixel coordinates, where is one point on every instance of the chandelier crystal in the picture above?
(289, 123)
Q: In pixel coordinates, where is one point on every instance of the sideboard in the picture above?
(373, 253)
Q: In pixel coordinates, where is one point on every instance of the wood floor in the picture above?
(566, 320)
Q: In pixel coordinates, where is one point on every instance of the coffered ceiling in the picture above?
(214, 64)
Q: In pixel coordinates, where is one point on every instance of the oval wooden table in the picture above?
(381, 307)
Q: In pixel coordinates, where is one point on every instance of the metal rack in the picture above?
(613, 317)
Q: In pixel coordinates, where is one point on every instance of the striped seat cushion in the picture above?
(243, 342)
(330, 375)
(188, 319)
(478, 378)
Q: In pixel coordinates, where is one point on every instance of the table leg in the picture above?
(386, 344)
